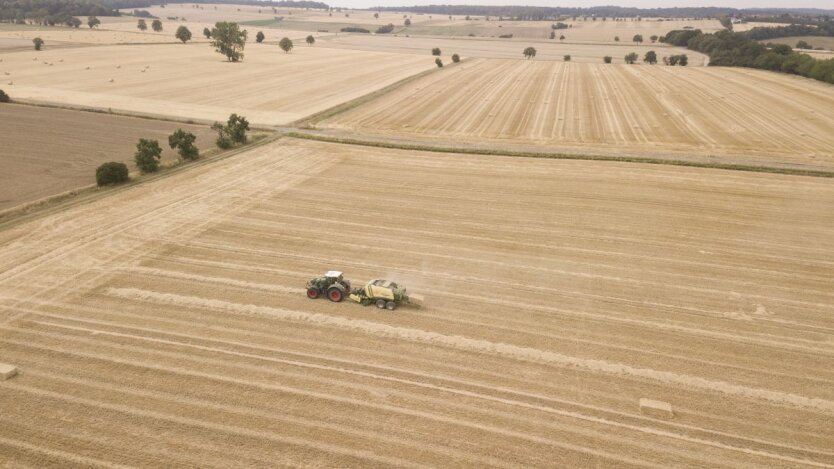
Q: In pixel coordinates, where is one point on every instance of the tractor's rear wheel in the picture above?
(313, 293)
(335, 294)
(391, 305)
(380, 304)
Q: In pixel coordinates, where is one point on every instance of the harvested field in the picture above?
(741, 27)
(501, 48)
(578, 31)
(750, 115)
(49, 151)
(816, 41)
(166, 324)
(194, 82)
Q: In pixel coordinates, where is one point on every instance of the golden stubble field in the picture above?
(578, 30)
(760, 117)
(193, 82)
(166, 324)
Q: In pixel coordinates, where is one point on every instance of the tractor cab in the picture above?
(332, 285)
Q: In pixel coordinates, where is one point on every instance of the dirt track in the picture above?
(644, 110)
(48, 151)
(167, 325)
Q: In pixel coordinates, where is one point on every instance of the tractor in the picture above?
(332, 284)
(384, 294)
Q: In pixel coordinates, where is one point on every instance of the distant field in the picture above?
(579, 31)
(48, 151)
(501, 48)
(741, 27)
(611, 108)
(815, 41)
(194, 82)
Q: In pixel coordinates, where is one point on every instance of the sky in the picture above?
(826, 4)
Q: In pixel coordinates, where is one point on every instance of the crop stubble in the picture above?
(167, 323)
(645, 110)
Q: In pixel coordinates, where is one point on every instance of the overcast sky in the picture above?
(826, 4)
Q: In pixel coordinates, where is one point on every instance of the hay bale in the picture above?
(7, 371)
(656, 409)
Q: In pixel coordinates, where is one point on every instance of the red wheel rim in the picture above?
(312, 293)
(335, 295)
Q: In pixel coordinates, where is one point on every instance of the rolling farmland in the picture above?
(195, 83)
(39, 163)
(746, 115)
(166, 324)
(501, 48)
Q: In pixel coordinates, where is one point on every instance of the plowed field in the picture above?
(758, 116)
(166, 324)
(48, 151)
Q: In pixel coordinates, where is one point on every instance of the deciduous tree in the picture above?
(229, 40)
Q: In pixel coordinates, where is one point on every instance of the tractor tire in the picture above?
(336, 293)
(391, 305)
(313, 293)
(380, 304)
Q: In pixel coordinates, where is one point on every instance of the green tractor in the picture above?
(332, 284)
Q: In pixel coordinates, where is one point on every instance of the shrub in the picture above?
(567, 58)
(156, 25)
(232, 132)
(148, 154)
(285, 44)
(111, 173)
(438, 62)
(651, 57)
(552, 34)
(184, 141)
(607, 59)
(529, 52)
(207, 33)
(4, 98)
(310, 40)
(259, 38)
(352, 29)
(435, 51)
(183, 34)
(505, 36)
(92, 22)
(38, 42)
(407, 22)
(142, 25)
(803, 45)
(562, 37)
(616, 38)
(385, 29)
(631, 58)
(455, 58)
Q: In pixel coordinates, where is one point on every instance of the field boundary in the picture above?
(308, 121)
(563, 156)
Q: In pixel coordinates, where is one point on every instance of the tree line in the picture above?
(819, 28)
(555, 13)
(50, 12)
(726, 48)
